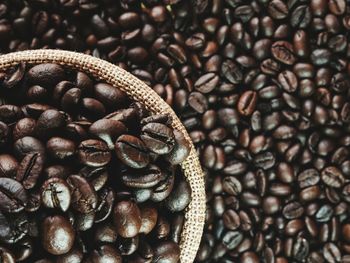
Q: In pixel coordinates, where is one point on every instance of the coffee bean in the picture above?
(49, 123)
(60, 148)
(149, 177)
(108, 130)
(58, 235)
(247, 102)
(105, 253)
(207, 83)
(332, 177)
(29, 170)
(127, 218)
(331, 253)
(83, 196)
(8, 165)
(232, 239)
(149, 216)
(166, 251)
(94, 153)
(28, 145)
(132, 151)
(278, 9)
(110, 96)
(180, 197)
(10, 113)
(13, 196)
(46, 75)
(158, 137)
(55, 193)
(14, 228)
(283, 51)
(24, 127)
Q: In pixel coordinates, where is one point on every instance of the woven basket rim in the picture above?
(139, 91)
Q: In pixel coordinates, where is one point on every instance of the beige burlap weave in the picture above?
(139, 91)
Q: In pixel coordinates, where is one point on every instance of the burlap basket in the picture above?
(139, 91)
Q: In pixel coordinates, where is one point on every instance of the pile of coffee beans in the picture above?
(86, 174)
(262, 87)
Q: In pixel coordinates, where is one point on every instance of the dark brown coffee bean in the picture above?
(13, 196)
(127, 218)
(166, 251)
(149, 216)
(158, 137)
(28, 145)
(13, 228)
(198, 102)
(105, 253)
(83, 196)
(132, 151)
(108, 130)
(110, 96)
(180, 197)
(49, 123)
(94, 153)
(247, 102)
(284, 52)
(332, 177)
(46, 75)
(207, 83)
(24, 127)
(58, 235)
(10, 113)
(30, 170)
(8, 166)
(60, 148)
(55, 193)
(149, 177)
(331, 253)
(293, 210)
(180, 150)
(278, 9)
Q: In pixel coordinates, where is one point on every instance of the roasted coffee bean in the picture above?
(105, 253)
(166, 251)
(84, 198)
(149, 177)
(332, 177)
(10, 113)
(180, 150)
(207, 83)
(14, 197)
(58, 235)
(14, 228)
(8, 165)
(158, 137)
(60, 148)
(55, 193)
(29, 170)
(97, 176)
(28, 145)
(149, 216)
(107, 130)
(105, 205)
(284, 52)
(180, 196)
(293, 210)
(247, 102)
(132, 151)
(46, 75)
(94, 153)
(127, 218)
(24, 127)
(50, 122)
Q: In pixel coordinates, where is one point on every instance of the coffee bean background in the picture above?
(262, 87)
